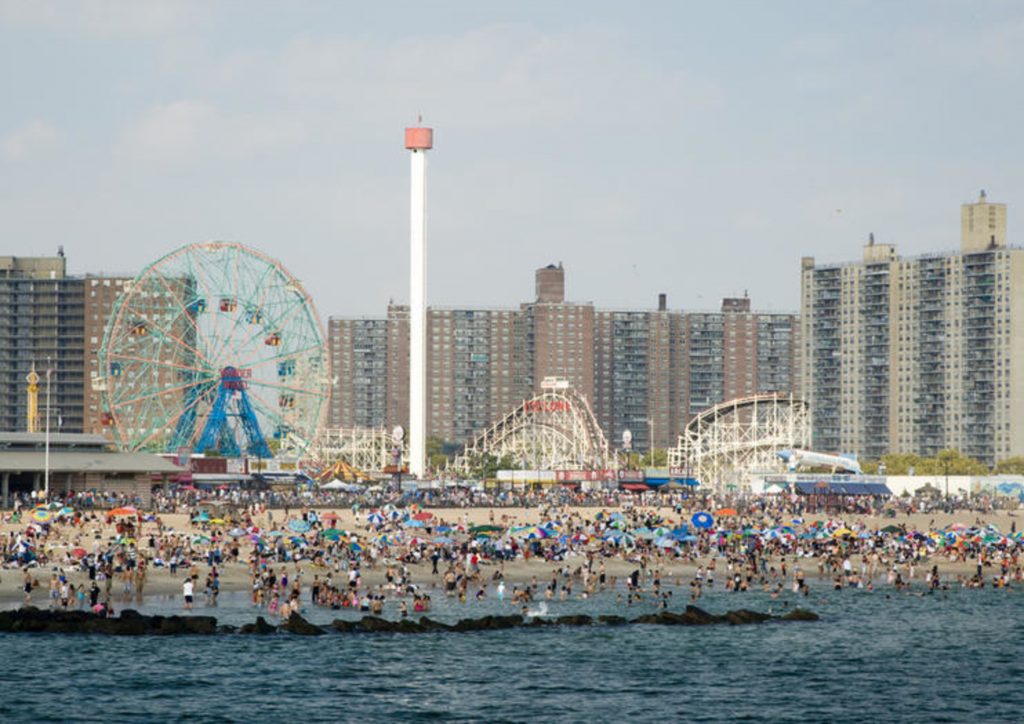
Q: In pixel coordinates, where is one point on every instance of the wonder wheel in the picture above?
(215, 348)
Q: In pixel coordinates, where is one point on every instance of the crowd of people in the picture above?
(297, 555)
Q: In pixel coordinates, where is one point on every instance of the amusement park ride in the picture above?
(215, 348)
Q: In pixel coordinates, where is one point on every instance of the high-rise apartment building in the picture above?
(919, 354)
(647, 371)
(99, 294)
(41, 326)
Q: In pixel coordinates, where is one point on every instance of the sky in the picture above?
(692, 148)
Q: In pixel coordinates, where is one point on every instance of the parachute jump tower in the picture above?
(418, 141)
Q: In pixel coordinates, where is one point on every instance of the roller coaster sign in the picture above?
(547, 406)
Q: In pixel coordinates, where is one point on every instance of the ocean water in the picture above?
(896, 657)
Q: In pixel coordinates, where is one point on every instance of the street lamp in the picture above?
(397, 436)
(650, 443)
(46, 453)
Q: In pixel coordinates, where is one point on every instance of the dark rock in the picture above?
(375, 624)
(430, 624)
(577, 620)
(743, 616)
(299, 626)
(612, 620)
(801, 614)
(343, 626)
(261, 627)
(699, 617)
(409, 626)
(204, 625)
(226, 628)
(488, 623)
(647, 618)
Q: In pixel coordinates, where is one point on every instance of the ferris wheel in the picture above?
(215, 348)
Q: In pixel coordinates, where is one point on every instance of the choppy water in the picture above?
(904, 658)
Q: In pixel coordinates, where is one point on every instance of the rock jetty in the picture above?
(132, 623)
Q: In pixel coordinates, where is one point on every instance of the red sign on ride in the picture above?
(547, 406)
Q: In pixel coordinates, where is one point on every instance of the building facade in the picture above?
(646, 371)
(41, 327)
(919, 354)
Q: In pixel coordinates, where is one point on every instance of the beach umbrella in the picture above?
(200, 539)
(127, 510)
(375, 517)
(203, 517)
(841, 532)
(484, 529)
(66, 511)
(423, 516)
(275, 534)
(236, 532)
(41, 515)
(443, 540)
(298, 526)
(645, 533)
(665, 542)
(329, 516)
(702, 520)
(217, 521)
(79, 553)
(354, 547)
(414, 524)
(334, 533)
(444, 529)
(725, 512)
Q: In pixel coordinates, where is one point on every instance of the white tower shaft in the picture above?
(418, 141)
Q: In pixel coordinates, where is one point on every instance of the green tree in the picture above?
(953, 462)
(901, 463)
(436, 456)
(1010, 466)
(657, 458)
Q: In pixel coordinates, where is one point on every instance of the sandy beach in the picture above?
(235, 576)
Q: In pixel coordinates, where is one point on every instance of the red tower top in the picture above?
(419, 139)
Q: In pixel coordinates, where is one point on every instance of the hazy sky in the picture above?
(694, 148)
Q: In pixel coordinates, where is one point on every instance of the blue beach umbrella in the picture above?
(702, 520)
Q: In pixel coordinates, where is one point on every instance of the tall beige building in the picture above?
(919, 354)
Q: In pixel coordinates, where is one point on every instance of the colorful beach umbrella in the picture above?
(41, 515)
(298, 526)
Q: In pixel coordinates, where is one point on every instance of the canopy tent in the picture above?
(341, 471)
(339, 485)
